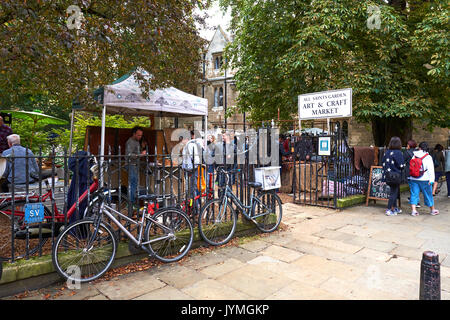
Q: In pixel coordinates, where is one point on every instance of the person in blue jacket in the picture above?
(393, 164)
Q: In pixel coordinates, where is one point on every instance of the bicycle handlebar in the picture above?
(231, 171)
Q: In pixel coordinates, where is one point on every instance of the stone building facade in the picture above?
(218, 85)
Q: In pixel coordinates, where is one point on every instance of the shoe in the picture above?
(418, 205)
(397, 210)
(414, 213)
(434, 212)
(390, 213)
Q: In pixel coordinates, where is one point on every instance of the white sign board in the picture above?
(324, 146)
(326, 104)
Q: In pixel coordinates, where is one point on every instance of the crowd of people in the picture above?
(423, 168)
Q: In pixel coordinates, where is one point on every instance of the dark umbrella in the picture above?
(36, 116)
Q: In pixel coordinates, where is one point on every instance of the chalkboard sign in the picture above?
(377, 189)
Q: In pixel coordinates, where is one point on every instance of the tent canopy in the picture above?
(125, 96)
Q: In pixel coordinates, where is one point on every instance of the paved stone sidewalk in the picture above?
(357, 253)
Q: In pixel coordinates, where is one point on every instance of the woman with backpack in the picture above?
(421, 171)
(393, 164)
(411, 146)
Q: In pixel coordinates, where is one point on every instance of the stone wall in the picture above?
(360, 134)
(438, 135)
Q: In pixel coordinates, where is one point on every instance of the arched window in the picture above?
(218, 97)
(218, 62)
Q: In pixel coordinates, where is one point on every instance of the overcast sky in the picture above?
(217, 17)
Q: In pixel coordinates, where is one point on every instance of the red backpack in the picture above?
(416, 167)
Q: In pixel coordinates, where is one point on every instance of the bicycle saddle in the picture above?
(255, 185)
(149, 197)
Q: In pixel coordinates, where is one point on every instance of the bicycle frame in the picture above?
(105, 209)
(228, 193)
(208, 194)
(59, 217)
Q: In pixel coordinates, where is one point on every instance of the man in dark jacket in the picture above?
(303, 148)
(282, 153)
(79, 165)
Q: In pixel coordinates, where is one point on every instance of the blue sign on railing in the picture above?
(34, 213)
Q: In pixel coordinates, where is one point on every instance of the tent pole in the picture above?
(205, 130)
(71, 132)
(102, 144)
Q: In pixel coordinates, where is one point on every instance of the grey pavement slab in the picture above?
(356, 253)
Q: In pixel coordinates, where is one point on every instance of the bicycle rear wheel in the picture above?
(267, 211)
(38, 234)
(217, 224)
(83, 252)
(171, 234)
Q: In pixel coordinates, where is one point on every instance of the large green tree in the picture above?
(50, 48)
(394, 54)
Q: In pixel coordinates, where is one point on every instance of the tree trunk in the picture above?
(383, 129)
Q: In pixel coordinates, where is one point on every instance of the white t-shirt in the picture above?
(427, 164)
(192, 151)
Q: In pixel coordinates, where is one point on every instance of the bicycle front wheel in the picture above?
(169, 234)
(83, 252)
(267, 211)
(217, 223)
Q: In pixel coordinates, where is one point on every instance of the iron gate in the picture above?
(323, 170)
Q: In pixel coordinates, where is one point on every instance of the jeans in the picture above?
(133, 174)
(393, 196)
(447, 178)
(421, 186)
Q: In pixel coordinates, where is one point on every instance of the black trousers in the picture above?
(395, 192)
(4, 185)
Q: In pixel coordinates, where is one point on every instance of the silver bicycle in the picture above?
(86, 249)
(217, 220)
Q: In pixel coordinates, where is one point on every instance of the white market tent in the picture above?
(124, 96)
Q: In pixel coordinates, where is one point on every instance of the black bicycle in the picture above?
(217, 220)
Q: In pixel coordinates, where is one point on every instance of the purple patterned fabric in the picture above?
(4, 132)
